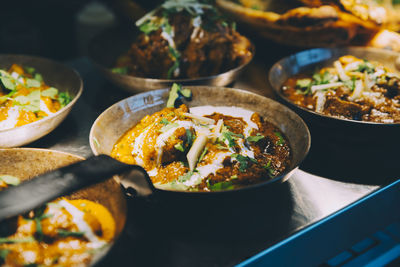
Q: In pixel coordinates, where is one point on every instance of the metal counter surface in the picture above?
(303, 200)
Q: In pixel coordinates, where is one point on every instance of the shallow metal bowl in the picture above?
(309, 60)
(120, 117)
(26, 163)
(360, 151)
(105, 48)
(54, 74)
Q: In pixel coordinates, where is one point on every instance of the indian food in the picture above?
(314, 23)
(26, 98)
(352, 88)
(60, 233)
(204, 148)
(184, 39)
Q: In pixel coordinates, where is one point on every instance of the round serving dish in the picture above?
(26, 163)
(105, 48)
(120, 117)
(55, 74)
(343, 147)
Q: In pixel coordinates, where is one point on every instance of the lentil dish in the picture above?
(206, 148)
(352, 88)
(60, 233)
(184, 39)
(26, 98)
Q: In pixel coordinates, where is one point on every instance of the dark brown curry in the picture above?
(353, 89)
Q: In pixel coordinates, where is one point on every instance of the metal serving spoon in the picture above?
(48, 186)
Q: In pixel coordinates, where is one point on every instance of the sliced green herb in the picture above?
(173, 95)
(179, 147)
(189, 138)
(255, 138)
(148, 27)
(65, 233)
(121, 70)
(30, 102)
(3, 254)
(50, 92)
(10, 180)
(6, 240)
(30, 70)
(38, 77)
(203, 154)
(221, 186)
(281, 140)
(233, 177)
(4, 98)
(32, 83)
(7, 83)
(303, 83)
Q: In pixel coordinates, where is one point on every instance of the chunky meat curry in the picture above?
(184, 39)
(205, 148)
(61, 233)
(352, 88)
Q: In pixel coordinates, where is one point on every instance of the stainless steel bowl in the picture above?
(356, 151)
(26, 163)
(309, 60)
(105, 48)
(120, 117)
(54, 74)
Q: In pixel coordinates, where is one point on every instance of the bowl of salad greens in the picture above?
(36, 95)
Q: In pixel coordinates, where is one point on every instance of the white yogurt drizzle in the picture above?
(78, 220)
(204, 170)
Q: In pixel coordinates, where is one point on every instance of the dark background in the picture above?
(49, 28)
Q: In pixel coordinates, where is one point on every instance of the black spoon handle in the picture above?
(43, 188)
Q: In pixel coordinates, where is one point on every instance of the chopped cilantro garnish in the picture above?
(176, 57)
(323, 78)
(255, 138)
(165, 121)
(233, 177)
(7, 96)
(221, 186)
(351, 83)
(148, 27)
(366, 66)
(64, 98)
(303, 83)
(3, 254)
(121, 70)
(230, 136)
(255, 7)
(243, 161)
(10, 180)
(64, 233)
(281, 141)
(270, 170)
(179, 147)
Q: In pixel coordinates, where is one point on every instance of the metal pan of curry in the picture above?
(220, 140)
